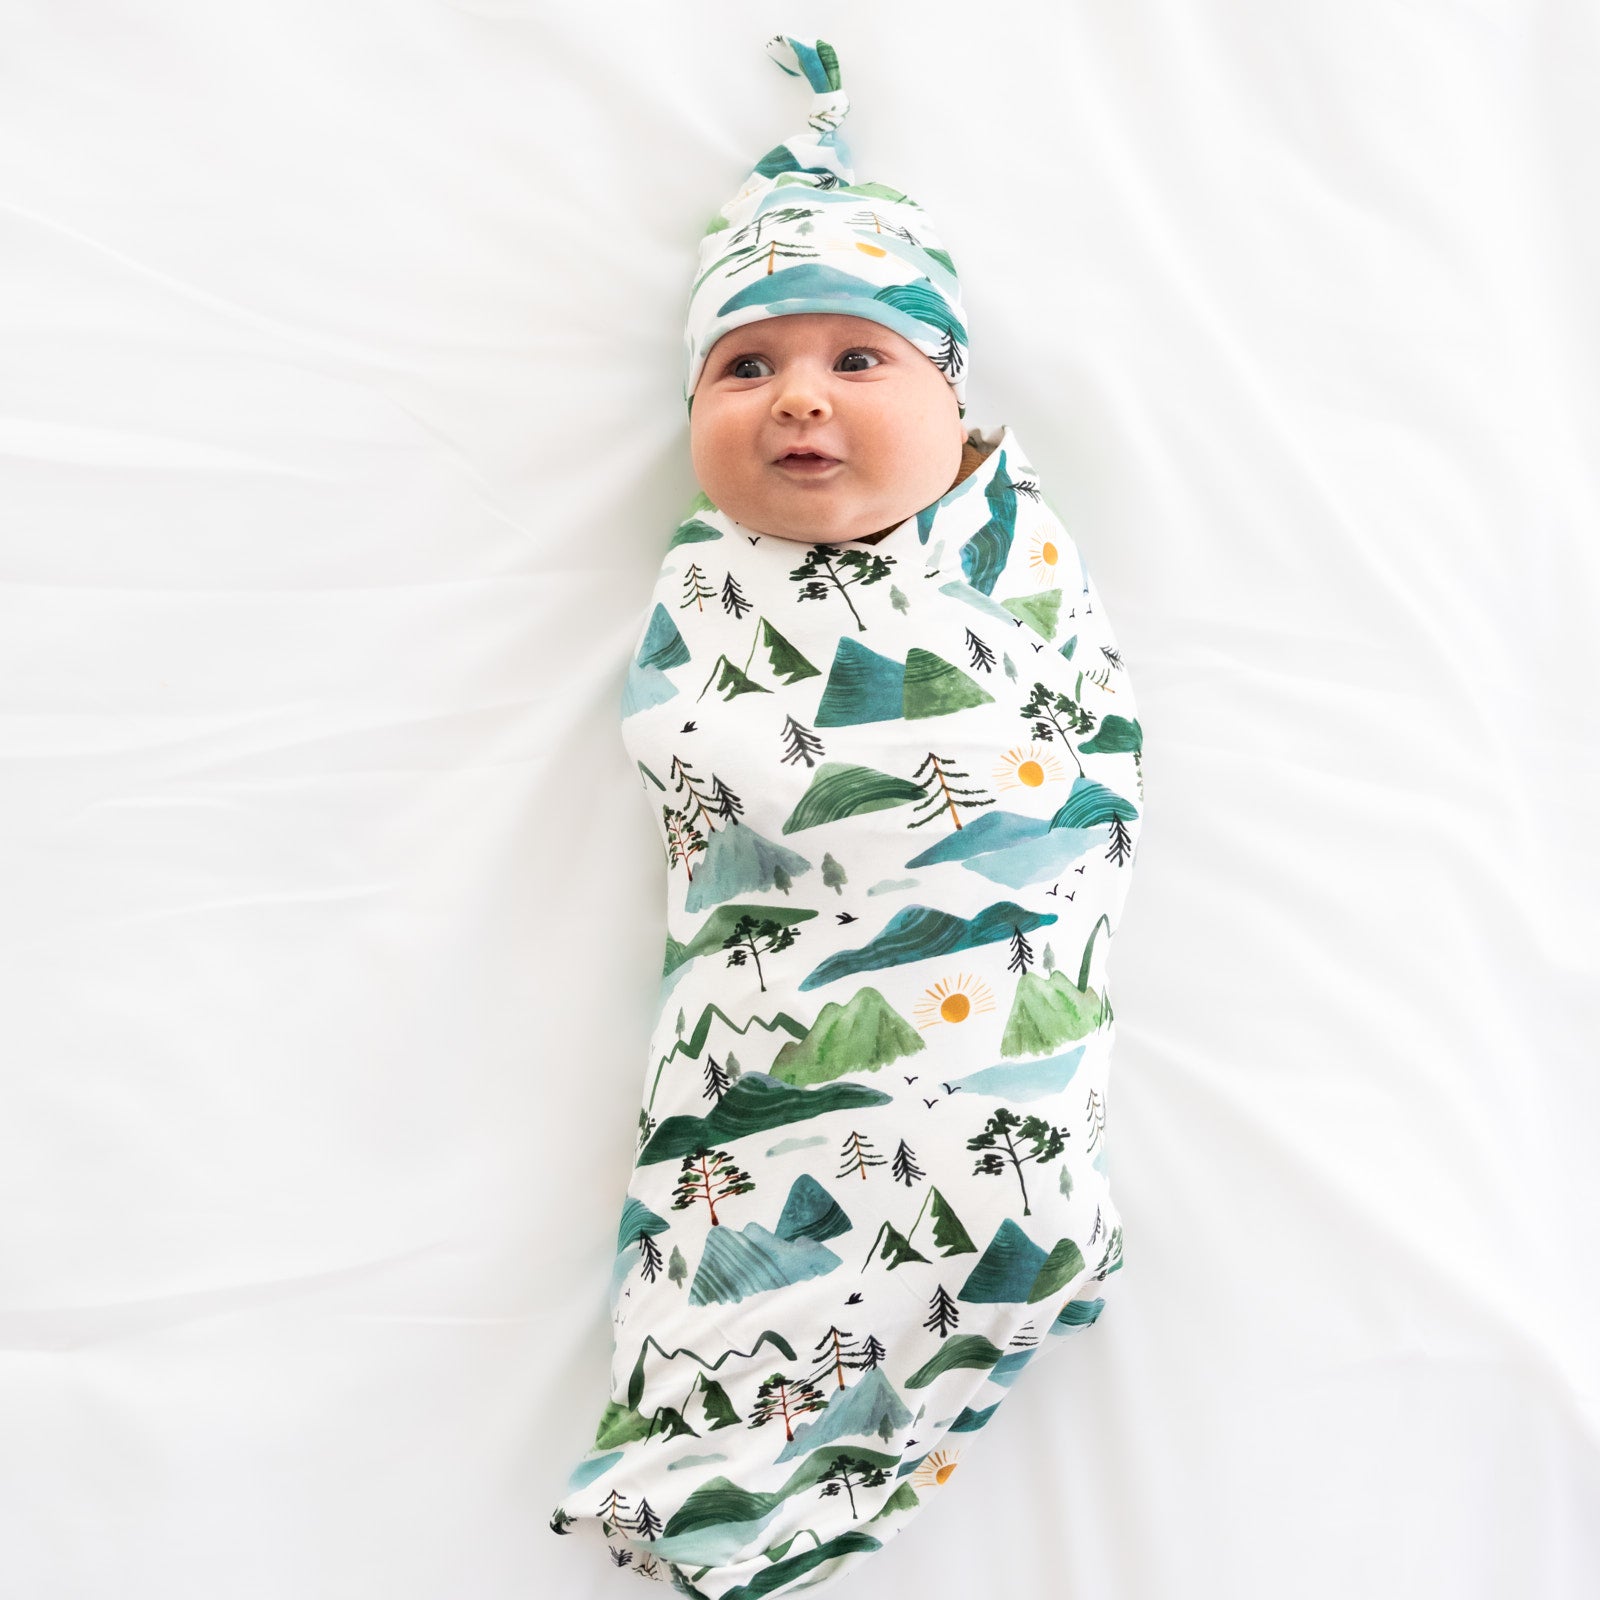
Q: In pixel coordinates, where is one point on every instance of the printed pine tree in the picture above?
(872, 1354)
(649, 1257)
(898, 600)
(982, 655)
(733, 600)
(744, 940)
(645, 1522)
(696, 590)
(905, 1169)
(709, 1175)
(1121, 842)
(832, 873)
(732, 1068)
(1002, 1135)
(613, 1513)
(843, 570)
(728, 804)
(1048, 959)
(838, 1355)
(677, 1267)
(1097, 1118)
(717, 1080)
(1058, 716)
(857, 1154)
(1008, 663)
(1021, 951)
(620, 1558)
(800, 743)
(945, 1314)
(789, 1398)
(850, 1473)
(780, 879)
(940, 794)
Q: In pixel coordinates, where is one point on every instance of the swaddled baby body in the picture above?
(892, 748)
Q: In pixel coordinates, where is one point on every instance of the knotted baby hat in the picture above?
(802, 235)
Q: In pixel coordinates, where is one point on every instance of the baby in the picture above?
(895, 754)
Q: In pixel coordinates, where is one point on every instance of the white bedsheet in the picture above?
(331, 913)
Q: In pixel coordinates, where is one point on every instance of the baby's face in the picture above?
(845, 386)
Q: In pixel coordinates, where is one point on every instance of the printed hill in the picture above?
(862, 1035)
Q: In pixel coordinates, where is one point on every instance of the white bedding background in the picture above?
(340, 435)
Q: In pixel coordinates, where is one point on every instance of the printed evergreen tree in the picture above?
(699, 810)
(982, 655)
(1065, 1184)
(840, 1355)
(1006, 1129)
(1097, 1118)
(1049, 707)
(744, 941)
(732, 1068)
(716, 1080)
(905, 1169)
(696, 591)
(863, 567)
(727, 803)
(613, 1512)
(789, 1398)
(872, 1354)
(780, 879)
(709, 1175)
(682, 1022)
(620, 1558)
(898, 600)
(850, 1473)
(858, 1154)
(1121, 842)
(832, 873)
(647, 1126)
(1028, 487)
(1048, 959)
(645, 1522)
(945, 1314)
(939, 793)
(767, 253)
(561, 1522)
(677, 1267)
(649, 1256)
(800, 743)
(1009, 664)
(733, 600)
(1021, 951)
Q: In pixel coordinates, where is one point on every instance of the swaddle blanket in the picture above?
(899, 789)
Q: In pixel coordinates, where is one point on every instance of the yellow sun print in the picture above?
(935, 1468)
(953, 1002)
(1027, 769)
(1042, 559)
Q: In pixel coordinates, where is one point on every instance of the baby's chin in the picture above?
(820, 523)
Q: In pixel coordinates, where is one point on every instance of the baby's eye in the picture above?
(742, 361)
(849, 354)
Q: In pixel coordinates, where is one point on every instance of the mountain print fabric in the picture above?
(899, 793)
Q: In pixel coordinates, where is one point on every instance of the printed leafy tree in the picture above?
(1048, 959)
(709, 1175)
(832, 873)
(800, 743)
(745, 940)
(781, 881)
(647, 1126)
(1001, 1138)
(1065, 1182)
(717, 1080)
(1010, 665)
(905, 1169)
(1021, 952)
(840, 1354)
(733, 600)
(684, 840)
(649, 1257)
(898, 600)
(696, 591)
(851, 1473)
(982, 655)
(785, 1397)
(677, 1267)
(1049, 708)
(940, 793)
(857, 1154)
(732, 1067)
(945, 1314)
(864, 566)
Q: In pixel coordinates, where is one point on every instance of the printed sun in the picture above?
(953, 1002)
(1027, 769)
(1042, 559)
(934, 1468)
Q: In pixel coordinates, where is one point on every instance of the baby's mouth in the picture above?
(806, 462)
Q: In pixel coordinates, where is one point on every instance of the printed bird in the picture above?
(848, 916)
(689, 727)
